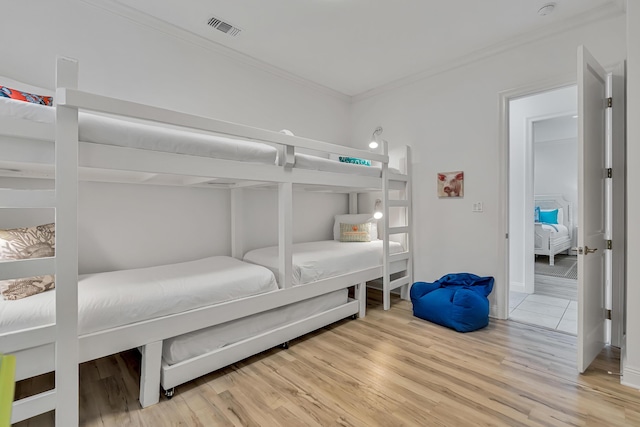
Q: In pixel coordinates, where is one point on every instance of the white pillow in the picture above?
(355, 219)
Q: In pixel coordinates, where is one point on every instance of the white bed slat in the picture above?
(84, 100)
(398, 177)
(34, 405)
(35, 361)
(27, 338)
(21, 268)
(398, 230)
(27, 198)
(404, 280)
(398, 203)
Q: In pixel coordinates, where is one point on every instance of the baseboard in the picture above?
(630, 377)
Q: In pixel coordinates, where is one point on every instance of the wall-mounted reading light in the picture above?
(374, 137)
(377, 209)
(287, 132)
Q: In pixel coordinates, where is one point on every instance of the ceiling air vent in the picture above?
(225, 27)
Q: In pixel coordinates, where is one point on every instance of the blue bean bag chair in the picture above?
(457, 301)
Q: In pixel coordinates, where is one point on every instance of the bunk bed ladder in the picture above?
(64, 333)
(402, 182)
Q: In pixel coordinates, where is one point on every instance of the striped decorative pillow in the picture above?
(355, 232)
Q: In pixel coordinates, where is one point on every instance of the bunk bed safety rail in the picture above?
(87, 101)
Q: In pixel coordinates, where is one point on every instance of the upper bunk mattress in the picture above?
(313, 261)
(107, 300)
(133, 134)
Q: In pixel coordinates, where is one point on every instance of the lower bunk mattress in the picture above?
(313, 261)
(112, 299)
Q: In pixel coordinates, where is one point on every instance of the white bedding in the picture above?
(556, 230)
(107, 300)
(314, 261)
(113, 131)
(307, 161)
(187, 346)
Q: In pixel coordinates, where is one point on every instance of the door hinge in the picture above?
(608, 313)
(609, 172)
(609, 244)
(609, 102)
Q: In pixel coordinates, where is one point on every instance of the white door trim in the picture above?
(502, 289)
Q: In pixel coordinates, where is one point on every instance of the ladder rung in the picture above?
(398, 203)
(398, 230)
(404, 280)
(28, 338)
(27, 198)
(392, 176)
(31, 406)
(27, 268)
(399, 256)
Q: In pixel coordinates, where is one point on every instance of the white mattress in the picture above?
(187, 346)
(307, 161)
(314, 261)
(136, 134)
(107, 300)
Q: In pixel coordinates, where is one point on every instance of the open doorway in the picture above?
(543, 191)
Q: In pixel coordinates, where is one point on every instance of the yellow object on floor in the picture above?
(7, 387)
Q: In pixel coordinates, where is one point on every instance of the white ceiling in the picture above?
(354, 46)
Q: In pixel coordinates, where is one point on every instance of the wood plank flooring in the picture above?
(388, 369)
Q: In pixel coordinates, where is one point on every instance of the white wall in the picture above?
(127, 226)
(523, 113)
(631, 358)
(451, 121)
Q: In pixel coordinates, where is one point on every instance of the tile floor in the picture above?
(550, 312)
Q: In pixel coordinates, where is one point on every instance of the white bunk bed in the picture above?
(551, 239)
(77, 152)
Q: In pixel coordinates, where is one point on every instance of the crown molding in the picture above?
(145, 20)
(609, 10)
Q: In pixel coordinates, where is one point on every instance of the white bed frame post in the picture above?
(386, 272)
(405, 290)
(285, 234)
(66, 260)
(353, 203)
(237, 230)
(360, 291)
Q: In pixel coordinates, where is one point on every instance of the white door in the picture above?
(592, 85)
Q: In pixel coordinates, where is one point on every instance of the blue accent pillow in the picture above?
(536, 215)
(355, 161)
(550, 217)
(457, 301)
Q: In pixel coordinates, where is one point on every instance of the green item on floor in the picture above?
(7, 388)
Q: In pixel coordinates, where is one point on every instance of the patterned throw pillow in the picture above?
(26, 243)
(355, 232)
(355, 161)
(6, 92)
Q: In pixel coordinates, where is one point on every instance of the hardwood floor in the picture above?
(387, 369)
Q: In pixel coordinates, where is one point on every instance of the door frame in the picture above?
(504, 97)
(619, 161)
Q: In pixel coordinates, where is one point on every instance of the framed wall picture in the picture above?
(451, 184)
